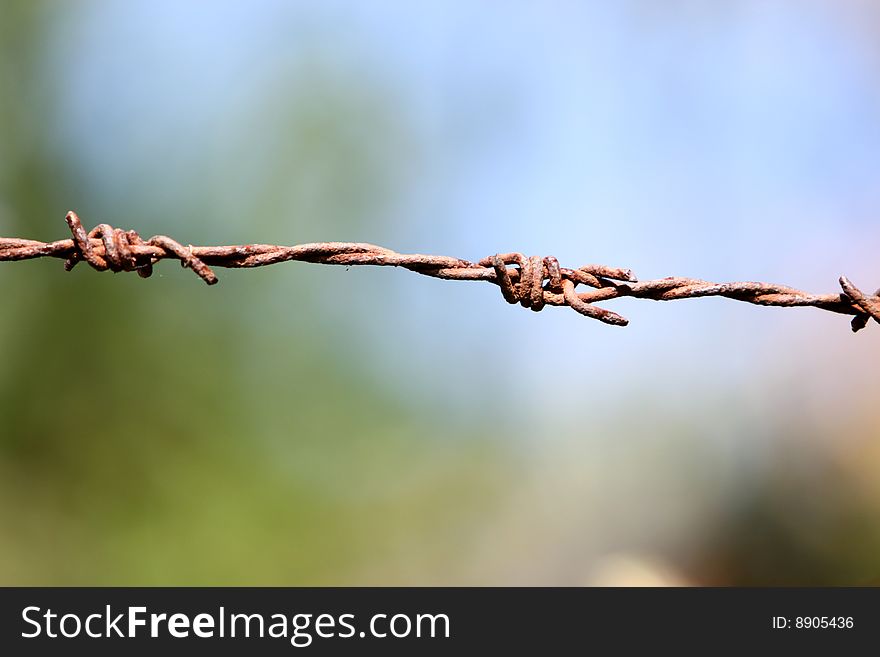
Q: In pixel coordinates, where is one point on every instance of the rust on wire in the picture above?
(533, 282)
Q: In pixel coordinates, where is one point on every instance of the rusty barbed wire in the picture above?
(531, 281)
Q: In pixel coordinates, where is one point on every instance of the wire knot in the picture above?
(528, 291)
(125, 250)
(868, 306)
(537, 281)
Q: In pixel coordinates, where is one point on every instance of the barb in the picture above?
(533, 282)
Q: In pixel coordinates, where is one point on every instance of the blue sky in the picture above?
(725, 141)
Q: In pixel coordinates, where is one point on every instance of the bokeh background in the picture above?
(311, 425)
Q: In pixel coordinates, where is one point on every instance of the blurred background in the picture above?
(308, 425)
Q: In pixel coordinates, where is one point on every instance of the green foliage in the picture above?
(157, 432)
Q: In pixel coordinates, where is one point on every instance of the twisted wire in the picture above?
(532, 281)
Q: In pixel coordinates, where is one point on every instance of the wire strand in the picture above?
(533, 282)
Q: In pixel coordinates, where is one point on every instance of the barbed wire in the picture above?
(532, 281)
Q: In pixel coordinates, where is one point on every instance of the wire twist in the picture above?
(532, 281)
